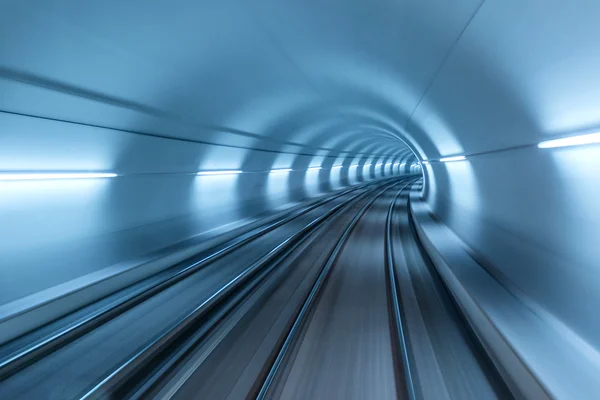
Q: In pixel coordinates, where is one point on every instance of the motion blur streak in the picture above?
(294, 199)
(225, 172)
(34, 176)
(571, 141)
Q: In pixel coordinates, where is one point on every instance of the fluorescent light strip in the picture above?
(455, 158)
(571, 141)
(314, 168)
(44, 176)
(278, 170)
(221, 172)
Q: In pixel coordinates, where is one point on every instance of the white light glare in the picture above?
(354, 166)
(221, 172)
(425, 162)
(336, 167)
(455, 158)
(379, 165)
(314, 168)
(367, 165)
(66, 175)
(278, 170)
(571, 141)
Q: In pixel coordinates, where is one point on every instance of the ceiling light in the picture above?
(19, 176)
(277, 170)
(571, 141)
(220, 172)
(454, 158)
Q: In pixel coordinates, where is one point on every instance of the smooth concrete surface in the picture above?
(155, 91)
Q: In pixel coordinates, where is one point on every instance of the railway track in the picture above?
(333, 300)
(30, 357)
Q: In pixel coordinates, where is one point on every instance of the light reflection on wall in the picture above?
(378, 168)
(222, 158)
(388, 169)
(28, 143)
(402, 166)
(213, 197)
(579, 167)
(311, 178)
(415, 168)
(281, 180)
(38, 213)
(367, 169)
(335, 175)
(462, 186)
(353, 172)
(215, 194)
(278, 186)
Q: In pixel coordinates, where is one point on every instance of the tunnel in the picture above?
(390, 199)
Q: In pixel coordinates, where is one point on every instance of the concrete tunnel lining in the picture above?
(275, 85)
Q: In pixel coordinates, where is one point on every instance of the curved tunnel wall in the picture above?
(518, 75)
(76, 98)
(57, 230)
(339, 82)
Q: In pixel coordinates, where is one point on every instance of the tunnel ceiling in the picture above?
(336, 76)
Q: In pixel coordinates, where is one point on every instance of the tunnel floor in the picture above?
(336, 301)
